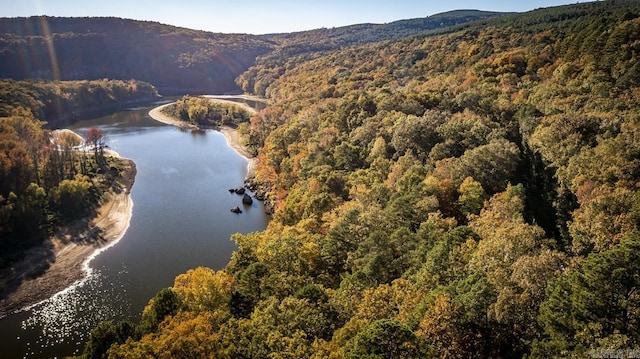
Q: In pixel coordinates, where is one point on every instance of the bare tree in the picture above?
(96, 139)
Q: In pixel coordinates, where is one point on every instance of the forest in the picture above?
(175, 60)
(304, 45)
(469, 192)
(46, 181)
(203, 112)
(57, 103)
(462, 191)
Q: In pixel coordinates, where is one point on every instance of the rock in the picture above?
(246, 199)
(250, 184)
(240, 190)
(236, 209)
(268, 208)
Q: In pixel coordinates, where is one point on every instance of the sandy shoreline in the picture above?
(63, 259)
(231, 134)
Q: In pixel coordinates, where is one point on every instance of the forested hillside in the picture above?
(176, 60)
(301, 46)
(59, 102)
(173, 59)
(468, 194)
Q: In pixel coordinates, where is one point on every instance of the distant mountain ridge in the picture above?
(176, 60)
(171, 58)
(402, 28)
(332, 38)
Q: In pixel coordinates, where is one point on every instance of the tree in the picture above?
(105, 335)
(385, 338)
(603, 217)
(508, 254)
(464, 131)
(165, 303)
(96, 139)
(186, 335)
(440, 329)
(202, 289)
(417, 133)
(561, 137)
(472, 197)
(473, 298)
(347, 157)
(597, 304)
(505, 236)
(72, 197)
(493, 165)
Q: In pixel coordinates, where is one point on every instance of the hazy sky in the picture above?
(260, 17)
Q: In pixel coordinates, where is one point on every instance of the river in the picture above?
(180, 220)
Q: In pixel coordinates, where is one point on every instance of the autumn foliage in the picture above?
(470, 193)
(50, 178)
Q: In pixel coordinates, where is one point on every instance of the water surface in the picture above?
(180, 220)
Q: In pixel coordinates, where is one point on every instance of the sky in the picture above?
(262, 16)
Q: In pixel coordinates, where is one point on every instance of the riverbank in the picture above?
(63, 260)
(231, 134)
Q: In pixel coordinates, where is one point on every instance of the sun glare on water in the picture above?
(68, 317)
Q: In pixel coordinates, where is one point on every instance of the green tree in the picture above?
(72, 197)
(493, 165)
(597, 304)
(165, 303)
(417, 133)
(385, 338)
(472, 197)
(105, 335)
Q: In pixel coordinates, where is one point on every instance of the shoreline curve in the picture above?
(63, 260)
(230, 133)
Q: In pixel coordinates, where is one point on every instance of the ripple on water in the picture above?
(66, 319)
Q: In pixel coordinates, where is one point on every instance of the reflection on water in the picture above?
(180, 220)
(90, 301)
